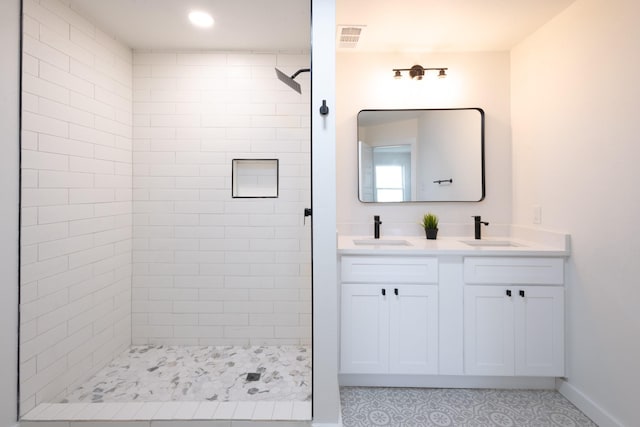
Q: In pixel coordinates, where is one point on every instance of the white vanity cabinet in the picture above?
(389, 315)
(446, 313)
(514, 316)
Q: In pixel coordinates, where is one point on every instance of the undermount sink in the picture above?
(492, 243)
(380, 242)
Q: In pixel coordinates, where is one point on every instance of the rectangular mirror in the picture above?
(434, 155)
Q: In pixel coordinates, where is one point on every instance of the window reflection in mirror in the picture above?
(421, 155)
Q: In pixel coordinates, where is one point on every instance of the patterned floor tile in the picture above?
(420, 407)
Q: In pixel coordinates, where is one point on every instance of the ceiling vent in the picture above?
(349, 35)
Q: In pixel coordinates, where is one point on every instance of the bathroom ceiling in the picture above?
(239, 24)
(445, 25)
(401, 25)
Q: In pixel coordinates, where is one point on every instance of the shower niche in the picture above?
(254, 178)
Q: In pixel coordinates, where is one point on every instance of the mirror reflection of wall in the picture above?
(421, 155)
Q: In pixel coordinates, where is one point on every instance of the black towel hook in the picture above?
(324, 110)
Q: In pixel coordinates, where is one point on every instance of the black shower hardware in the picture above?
(478, 223)
(324, 110)
(289, 81)
(376, 226)
(253, 376)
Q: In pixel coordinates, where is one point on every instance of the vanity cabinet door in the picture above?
(539, 331)
(516, 330)
(413, 333)
(364, 329)
(488, 330)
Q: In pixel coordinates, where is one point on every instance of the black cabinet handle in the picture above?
(508, 292)
(522, 293)
(395, 291)
(384, 291)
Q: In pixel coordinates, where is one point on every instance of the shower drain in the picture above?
(253, 376)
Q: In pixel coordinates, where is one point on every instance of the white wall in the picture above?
(210, 269)
(365, 81)
(76, 201)
(326, 394)
(575, 143)
(9, 172)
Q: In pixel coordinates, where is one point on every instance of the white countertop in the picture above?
(449, 246)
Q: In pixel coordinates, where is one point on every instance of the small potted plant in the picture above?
(430, 225)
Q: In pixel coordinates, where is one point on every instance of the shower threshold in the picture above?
(155, 414)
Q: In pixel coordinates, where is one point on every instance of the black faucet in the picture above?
(478, 223)
(376, 226)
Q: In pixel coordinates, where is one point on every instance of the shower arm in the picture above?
(301, 70)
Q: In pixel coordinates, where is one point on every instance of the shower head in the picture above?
(289, 81)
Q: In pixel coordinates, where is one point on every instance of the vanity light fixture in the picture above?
(417, 72)
(200, 19)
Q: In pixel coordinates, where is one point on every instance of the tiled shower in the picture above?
(129, 234)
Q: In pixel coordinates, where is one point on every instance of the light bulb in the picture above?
(200, 19)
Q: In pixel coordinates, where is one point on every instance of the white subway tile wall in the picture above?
(76, 236)
(209, 269)
(127, 156)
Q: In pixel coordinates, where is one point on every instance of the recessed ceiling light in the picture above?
(200, 19)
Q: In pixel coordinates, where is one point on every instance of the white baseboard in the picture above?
(597, 414)
(446, 381)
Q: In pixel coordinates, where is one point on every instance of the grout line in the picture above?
(109, 410)
(32, 414)
(205, 411)
(264, 410)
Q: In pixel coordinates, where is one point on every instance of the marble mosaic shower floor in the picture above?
(161, 373)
